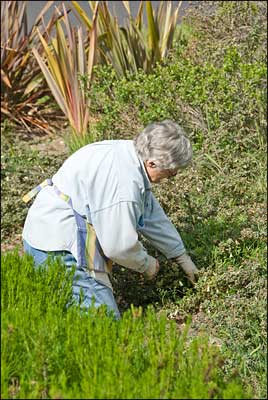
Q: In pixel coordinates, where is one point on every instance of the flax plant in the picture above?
(135, 46)
(22, 83)
(66, 59)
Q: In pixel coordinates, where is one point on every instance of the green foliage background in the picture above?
(215, 85)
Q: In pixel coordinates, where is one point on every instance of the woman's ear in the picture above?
(150, 163)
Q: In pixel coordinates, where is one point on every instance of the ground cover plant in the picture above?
(214, 84)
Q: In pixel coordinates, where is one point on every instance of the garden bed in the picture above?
(214, 87)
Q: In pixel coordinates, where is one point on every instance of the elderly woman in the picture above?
(91, 211)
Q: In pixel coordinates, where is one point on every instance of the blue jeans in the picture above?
(91, 288)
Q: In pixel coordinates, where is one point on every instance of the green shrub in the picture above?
(202, 98)
(212, 85)
(53, 351)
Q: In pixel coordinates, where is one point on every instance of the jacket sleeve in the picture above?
(159, 230)
(116, 229)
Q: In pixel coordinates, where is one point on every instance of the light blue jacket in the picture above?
(108, 181)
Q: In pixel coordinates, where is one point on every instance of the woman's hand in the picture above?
(153, 268)
(188, 266)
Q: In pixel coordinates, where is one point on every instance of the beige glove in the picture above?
(153, 269)
(187, 265)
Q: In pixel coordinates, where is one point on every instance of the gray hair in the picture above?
(166, 143)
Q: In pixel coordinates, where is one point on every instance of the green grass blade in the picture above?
(51, 82)
(82, 14)
(153, 37)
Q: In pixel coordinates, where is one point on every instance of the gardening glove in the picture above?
(153, 269)
(187, 265)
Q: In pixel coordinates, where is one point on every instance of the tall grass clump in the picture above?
(138, 44)
(65, 59)
(52, 349)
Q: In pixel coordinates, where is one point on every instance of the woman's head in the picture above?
(164, 148)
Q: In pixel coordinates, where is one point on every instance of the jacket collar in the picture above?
(147, 183)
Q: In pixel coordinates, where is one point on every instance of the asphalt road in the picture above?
(116, 7)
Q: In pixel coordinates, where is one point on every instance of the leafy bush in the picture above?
(218, 93)
(50, 350)
(203, 98)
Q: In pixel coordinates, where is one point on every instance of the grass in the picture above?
(215, 86)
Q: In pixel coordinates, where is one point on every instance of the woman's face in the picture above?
(157, 174)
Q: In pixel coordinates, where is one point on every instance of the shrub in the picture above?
(204, 98)
(49, 350)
